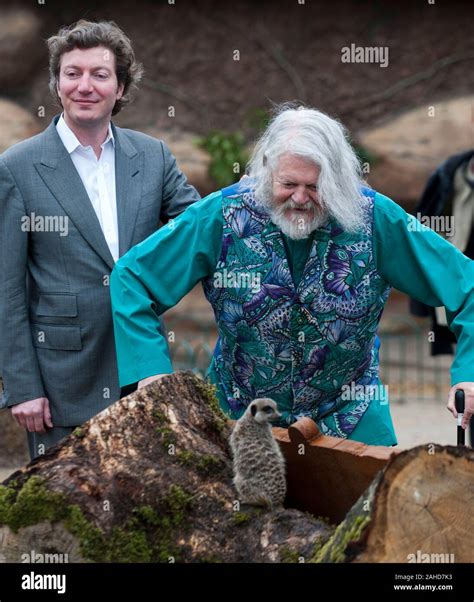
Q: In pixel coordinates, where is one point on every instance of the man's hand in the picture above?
(149, 379)
(468, 389)
(33, 415)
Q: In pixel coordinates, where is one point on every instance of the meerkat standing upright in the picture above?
(259, 466)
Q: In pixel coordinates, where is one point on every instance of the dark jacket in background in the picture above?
(436, 200)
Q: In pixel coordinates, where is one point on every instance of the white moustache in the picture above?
(291, 204)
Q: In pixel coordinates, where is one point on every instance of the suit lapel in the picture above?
(60, 176)
(128, 178)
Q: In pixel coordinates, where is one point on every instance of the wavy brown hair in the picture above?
(89, 34)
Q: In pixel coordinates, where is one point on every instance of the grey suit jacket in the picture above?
(56, 335)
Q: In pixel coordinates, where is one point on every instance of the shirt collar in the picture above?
(69, 138)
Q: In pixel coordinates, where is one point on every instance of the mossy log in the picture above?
(418, 509)
(148, 480)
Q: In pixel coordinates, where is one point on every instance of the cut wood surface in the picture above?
(424, 505)
(419, 509)
(150, 480)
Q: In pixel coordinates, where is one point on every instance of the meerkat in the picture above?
(259, 466)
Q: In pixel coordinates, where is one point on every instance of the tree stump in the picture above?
(419, 509)
(148, 480)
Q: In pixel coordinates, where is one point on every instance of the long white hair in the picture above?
(318, 138)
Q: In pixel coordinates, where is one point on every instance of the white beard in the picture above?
(298, 226)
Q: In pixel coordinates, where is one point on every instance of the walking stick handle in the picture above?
(459, 404)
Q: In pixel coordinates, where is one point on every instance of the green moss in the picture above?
(240, 518)
(209, 465)
(7, 498)
(208, 392)
(159, 415)
(29, 505)
(205, 464)
(147, 514)
(122, 544)
(186, 457)
(335, 549)
(92, 542)
(168, 436)
(79, 433)
(129, 545)
(289, 556)
(145, 537)
(178, 502)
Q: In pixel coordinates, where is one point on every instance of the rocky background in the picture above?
(286, 50)
(408, 116)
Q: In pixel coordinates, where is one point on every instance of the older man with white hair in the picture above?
(297, 262)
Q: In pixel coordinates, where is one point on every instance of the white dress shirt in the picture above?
(98, 177)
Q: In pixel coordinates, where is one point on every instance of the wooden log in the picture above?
(419, 509)
(149, 480)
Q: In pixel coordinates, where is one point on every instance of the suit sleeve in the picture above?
(419, 262)
(20, 370)
(177, 193)
(152, 277)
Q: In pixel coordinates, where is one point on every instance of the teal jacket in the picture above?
(157, 273)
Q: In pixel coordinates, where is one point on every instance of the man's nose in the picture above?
(85, 84)
(300, 195)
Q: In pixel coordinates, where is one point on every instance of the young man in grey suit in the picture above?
(73, 200)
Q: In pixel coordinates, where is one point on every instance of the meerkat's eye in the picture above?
(268, 409)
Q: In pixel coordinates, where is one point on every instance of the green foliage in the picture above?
(334, 550)
(32, 504)
(78, 432)
(209, 465)
(159, 415)
(289, 556)
(208, 391)
(168, 436)
(92, 541)
(364, 155)
(178, 502)
(145, 537)
(257, 119)
(240, 518)
(205, 464)
(228, 156)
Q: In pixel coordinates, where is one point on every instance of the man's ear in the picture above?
(120, 88)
